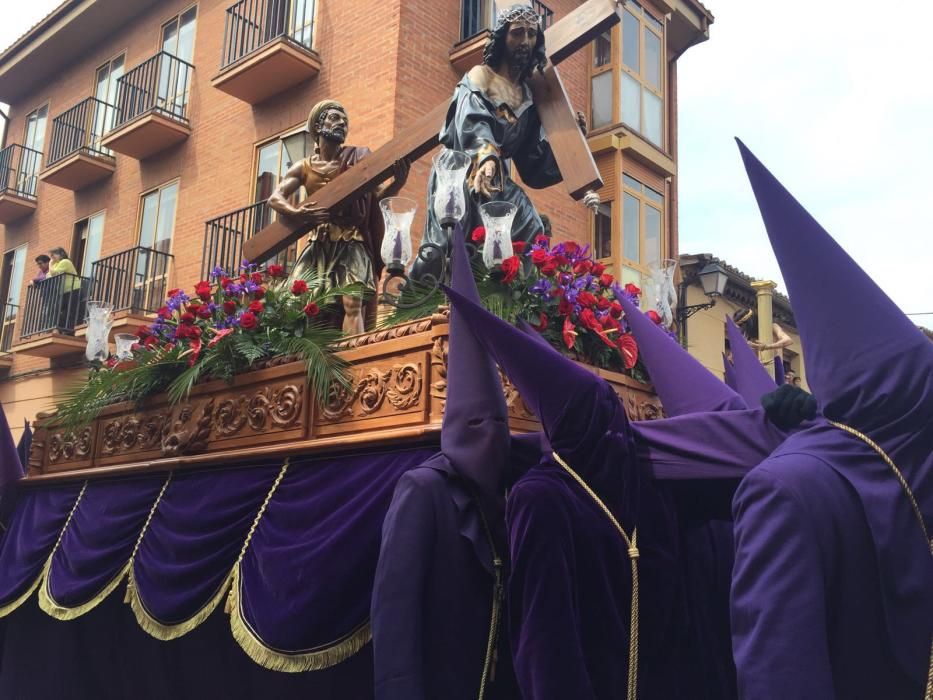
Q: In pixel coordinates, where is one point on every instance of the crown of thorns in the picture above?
(521, 14)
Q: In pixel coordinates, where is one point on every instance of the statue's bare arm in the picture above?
(308, 212)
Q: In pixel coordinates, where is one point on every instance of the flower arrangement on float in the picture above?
(220, 329)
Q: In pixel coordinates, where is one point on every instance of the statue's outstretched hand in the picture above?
(591, 200)
(400, 170)
(483, 179)
(789, 406)
(581, 120)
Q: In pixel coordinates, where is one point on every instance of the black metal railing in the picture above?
(56, 303)
(80, 130)
(134, 280)
(7, 326)
(159, 84)
(19, 170)
(225, 235)
(479, 15)
(251, 24)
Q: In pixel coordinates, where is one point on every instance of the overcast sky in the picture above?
(836, 100)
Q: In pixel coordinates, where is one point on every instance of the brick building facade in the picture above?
(167, 150)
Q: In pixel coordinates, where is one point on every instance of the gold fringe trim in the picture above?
(166, 632)
(10, 607)
(277, 660)
(60, 612)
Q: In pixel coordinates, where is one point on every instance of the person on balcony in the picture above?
(42, 262)
(70, 289)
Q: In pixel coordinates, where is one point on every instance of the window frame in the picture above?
(644, 200)
(75, 241)
(639, 11)
(177, 19)
(34, 176)
(594, 218)
(139, 213)
(596, 71)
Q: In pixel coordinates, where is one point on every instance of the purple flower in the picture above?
(542, 287)
(217, 272)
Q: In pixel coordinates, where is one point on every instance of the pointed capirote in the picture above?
(728, 372)
(752, 380)
(871, 369)
(474, 431)
(681, 382)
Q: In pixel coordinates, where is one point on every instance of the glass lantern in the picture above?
(125, 343)
(450, 170)
(398, 214)
(497, 218)
(99, 321)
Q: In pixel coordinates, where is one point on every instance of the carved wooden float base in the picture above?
(397, 398)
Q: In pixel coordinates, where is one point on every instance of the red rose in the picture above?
(585, 298)
(182, 332)
(632, 289)
(299, 287)
(541, 239)
(542, 323)
(187, 318)
(143, 332)
(151, 341)
(561, 260)
(193, 307)
(570, 247)
(539, 257)
(582, 267)
(173, 293)
(629, 349)
(564, 308)
(479, 234)
(615, 309)
(256, 307)
(569, 333)
(195, 332)
(603, 303)
(225, 282)
(609, 323)
(606, 280)
(229, 308)
(598, 269)
(510, 266)
(276, 271)
(205, 312)
(248, 320)
(549, 269)
(256, 277)
(311, 309)
(588, 319)
(518, 247)
(203, 290)
(259, 293)
(164, 312)
(654, 316)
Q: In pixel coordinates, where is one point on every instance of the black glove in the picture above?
(789, 406)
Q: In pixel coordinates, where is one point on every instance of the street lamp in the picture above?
(713, 279)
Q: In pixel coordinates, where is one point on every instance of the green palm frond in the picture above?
(323, 367)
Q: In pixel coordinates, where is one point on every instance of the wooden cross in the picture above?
(568, 144)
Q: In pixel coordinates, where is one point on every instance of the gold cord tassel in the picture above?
(632, 544)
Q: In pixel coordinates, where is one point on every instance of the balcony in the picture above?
(7, 328)
(54, 306)
(152, 107)
(267, 48)
(76, 157)
(225, 235)
(135, 281)
(477, 17)
(18, 169)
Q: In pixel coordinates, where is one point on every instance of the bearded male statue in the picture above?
(343, 246)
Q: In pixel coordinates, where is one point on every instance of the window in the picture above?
(105, 90)
(642, 228)
(601, 82)
(85, 249)
(272, 162)
(642, 83)
(602, 231)
(11, 282)
(301, 21)
(177, 41)
(33, 138)
(156, 227)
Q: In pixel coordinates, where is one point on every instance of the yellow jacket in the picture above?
(66, 267)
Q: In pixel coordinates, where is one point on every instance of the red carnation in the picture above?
(205, 312)
(585, 298)
(510, 267)
(582, 267)
(203, 290)
(187, 318)
(276, 271)
(654, 316)
(256, 277)
(549, 269)
(256, 307)
(518, 247)
(539, 257)
(564, 308)
(615, 309)
(164, 312)
(229, 308)
(542, 322)
(629, 349)
(606, 280)
(173, 293)
(598, 269)
(311, 309)
(603, 303)
(479, 234)
(569, 333)
(632, 289)
(259, 293)
(299, 287)
(248, 321)
(193, 307)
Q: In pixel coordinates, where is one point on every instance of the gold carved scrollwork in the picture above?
(406, 391)
(372, 390)
(129, 433)
(69, 447)
(401, 385)
(640, 406)
(282, 405)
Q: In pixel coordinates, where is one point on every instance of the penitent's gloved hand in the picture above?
(789, 406)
